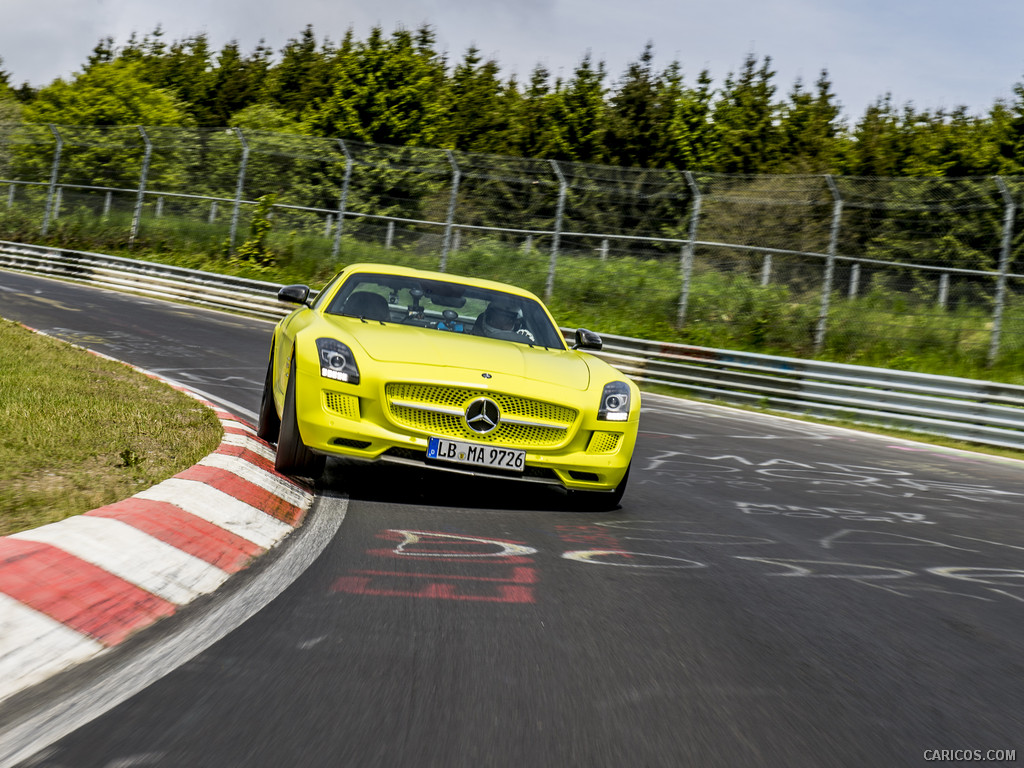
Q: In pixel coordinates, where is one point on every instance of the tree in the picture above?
(746, 137)
(810, 128)
(386, 91)
(112, 94)
(578, 115)
(690, 133)
(474, 119)
(634, 117)
(238, 81)
(303, 76)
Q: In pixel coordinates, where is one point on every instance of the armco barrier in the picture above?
(965, 409)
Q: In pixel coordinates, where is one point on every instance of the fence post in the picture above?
(452, 200)
(686, 257)
(108, 199)
(556, 238)
(830, 265)
(53, 177)
(143, 178)
(1009, 213)
(943, 289)
(343, 201)
(766, 270)
(10, 196)
(390, 235)
(239, 187)
(854, 280)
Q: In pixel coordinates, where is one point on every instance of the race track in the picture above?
(771, 593)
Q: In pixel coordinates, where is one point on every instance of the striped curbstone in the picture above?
(75, 588)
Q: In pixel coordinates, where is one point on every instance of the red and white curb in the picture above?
(72, 589)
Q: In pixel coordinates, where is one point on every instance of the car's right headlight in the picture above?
(337, 361)
(615, 402)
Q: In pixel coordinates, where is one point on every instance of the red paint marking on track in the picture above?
(360, 585)
(189, 533)
(252, 457)
(519, 576)
(78, 594)
(251, 494)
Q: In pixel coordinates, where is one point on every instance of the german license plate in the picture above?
(477, 455)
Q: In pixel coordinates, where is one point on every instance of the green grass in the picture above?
(78, 432)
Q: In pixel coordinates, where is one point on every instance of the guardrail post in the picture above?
(53, 177)
(556, 235)
(450, 219)
(1009, 213)
(686, 257)
(140, 197)
(239, 187)
(343, 201)
(830, 265)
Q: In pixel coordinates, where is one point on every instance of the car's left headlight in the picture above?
(615, 402)
(336, 361)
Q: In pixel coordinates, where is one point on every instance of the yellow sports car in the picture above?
(454, 373)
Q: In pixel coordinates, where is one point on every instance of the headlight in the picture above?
(615, 402)
(336, 361)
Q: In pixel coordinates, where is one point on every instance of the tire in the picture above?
(293, 457)
(269, 425)
(599, 501)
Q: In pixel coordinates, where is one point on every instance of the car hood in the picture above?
(418, 346)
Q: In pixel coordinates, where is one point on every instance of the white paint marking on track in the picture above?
(132, 555)
(33, 646)
(260, 477)
(220, 509)
(243, 441)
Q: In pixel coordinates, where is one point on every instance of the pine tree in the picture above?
(578, 115)
(634, 116)
(474, 121)
(690, 139)
(810, 129)
(746, 138)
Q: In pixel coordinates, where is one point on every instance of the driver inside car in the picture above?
(501, 321)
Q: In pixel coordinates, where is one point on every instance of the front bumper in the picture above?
(357, 421)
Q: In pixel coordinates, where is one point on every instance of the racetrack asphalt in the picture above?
(72, 589)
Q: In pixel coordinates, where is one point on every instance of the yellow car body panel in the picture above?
(416, 382)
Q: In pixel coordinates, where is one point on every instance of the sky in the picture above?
(932, 53)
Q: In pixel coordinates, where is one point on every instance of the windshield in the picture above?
(447, 307)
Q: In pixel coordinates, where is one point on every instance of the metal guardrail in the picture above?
(975, 411)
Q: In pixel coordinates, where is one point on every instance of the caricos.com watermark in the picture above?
(981, 755)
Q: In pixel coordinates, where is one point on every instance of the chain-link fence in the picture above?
(799, 264)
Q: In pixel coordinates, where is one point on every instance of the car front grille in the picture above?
(439, 410)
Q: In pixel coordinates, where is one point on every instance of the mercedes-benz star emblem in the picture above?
(483, 415)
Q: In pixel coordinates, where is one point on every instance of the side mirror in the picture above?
(294, 294)
(587, 340)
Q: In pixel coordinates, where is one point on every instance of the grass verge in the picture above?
(78, 431)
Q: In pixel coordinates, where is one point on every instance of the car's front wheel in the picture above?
(293, 456)
(600, 501)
